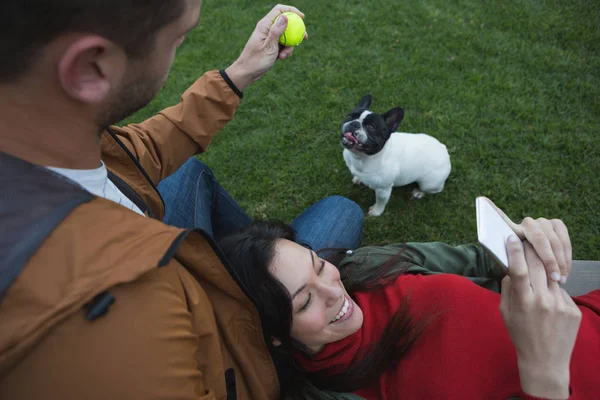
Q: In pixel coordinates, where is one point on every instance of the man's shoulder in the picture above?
(146, 344)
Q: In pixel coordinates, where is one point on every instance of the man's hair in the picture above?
(26, 26)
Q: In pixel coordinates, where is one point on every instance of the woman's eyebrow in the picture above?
(301, 288)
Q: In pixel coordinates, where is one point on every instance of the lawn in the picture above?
(512, 88)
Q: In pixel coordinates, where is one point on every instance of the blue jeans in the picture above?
(195, 199)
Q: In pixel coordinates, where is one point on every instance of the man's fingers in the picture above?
(515, 227)
(277, 28)
(280, 9)
(285, 52)
(538, 238)
(275, 24)
(518, 271)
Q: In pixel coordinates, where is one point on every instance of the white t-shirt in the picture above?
(97, 183)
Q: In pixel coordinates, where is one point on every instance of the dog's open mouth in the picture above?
(350, 142)
(350, 137)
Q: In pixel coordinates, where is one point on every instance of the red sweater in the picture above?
(464, 353)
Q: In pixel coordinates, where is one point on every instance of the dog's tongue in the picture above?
(350, 137)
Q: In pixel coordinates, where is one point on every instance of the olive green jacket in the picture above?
(470, 261)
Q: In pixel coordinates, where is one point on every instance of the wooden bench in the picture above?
(584, 277)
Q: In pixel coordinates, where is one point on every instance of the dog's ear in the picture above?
(393, 118)
(365, 102)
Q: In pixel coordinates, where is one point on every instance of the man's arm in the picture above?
(166, 141)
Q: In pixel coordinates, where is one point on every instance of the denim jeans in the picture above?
(195, 199)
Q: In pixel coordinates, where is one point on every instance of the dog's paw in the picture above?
(417, 194)
(356, 181)
(375, 211)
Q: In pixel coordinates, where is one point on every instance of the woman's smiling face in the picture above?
(323, 312)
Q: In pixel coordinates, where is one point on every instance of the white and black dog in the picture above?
(382, 158)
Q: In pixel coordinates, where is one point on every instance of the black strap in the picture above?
(230, 384)
(130, 193)
(137, 164)
(34, 201)
(228, 80)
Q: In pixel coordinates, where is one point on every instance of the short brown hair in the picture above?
(26, 26)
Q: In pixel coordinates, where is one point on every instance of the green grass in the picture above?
(512, 88)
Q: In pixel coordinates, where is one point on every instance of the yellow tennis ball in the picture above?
(294, 33)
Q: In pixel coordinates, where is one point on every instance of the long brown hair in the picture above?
(250, 253)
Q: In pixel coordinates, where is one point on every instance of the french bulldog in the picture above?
(381, 158)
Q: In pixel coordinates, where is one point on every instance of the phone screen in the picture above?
(492, 230)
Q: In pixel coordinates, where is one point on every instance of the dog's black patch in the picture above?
(370, 136)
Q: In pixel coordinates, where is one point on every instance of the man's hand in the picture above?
(542, 321)
(263, 48)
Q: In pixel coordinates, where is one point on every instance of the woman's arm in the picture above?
(542, 321)
(469, 260)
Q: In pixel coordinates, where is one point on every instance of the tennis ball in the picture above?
(294, 33)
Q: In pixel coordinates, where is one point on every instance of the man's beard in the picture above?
(135, 93)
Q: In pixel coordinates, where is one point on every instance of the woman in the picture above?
(390, 324)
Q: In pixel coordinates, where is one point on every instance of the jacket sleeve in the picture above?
(164, 142)
(469, 260)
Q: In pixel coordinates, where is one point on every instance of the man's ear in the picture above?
(365, 102)
(393, 118)
(276, 342)
(89, 68)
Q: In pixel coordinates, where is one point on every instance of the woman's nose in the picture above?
(332, 292)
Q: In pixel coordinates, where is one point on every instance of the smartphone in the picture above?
(492, 231)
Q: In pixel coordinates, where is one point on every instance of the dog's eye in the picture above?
(371, 127)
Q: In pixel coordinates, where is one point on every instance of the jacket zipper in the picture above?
(137, 164)
(130, 193)
(230, 382)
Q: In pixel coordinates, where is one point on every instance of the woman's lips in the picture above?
(349, 311)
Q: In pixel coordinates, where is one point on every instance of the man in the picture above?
(99, 299)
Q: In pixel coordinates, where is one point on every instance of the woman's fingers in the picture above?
(505, 295)
(517, 229)
(538, 237)
(567, 299)
(519, 275)
(556, 245)
(562, 233)
(536, 268)
(550, 239)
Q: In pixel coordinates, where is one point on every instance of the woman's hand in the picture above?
(550, 239)
(542, 321)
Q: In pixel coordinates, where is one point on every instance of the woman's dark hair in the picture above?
(26, 26)
(250, 253)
